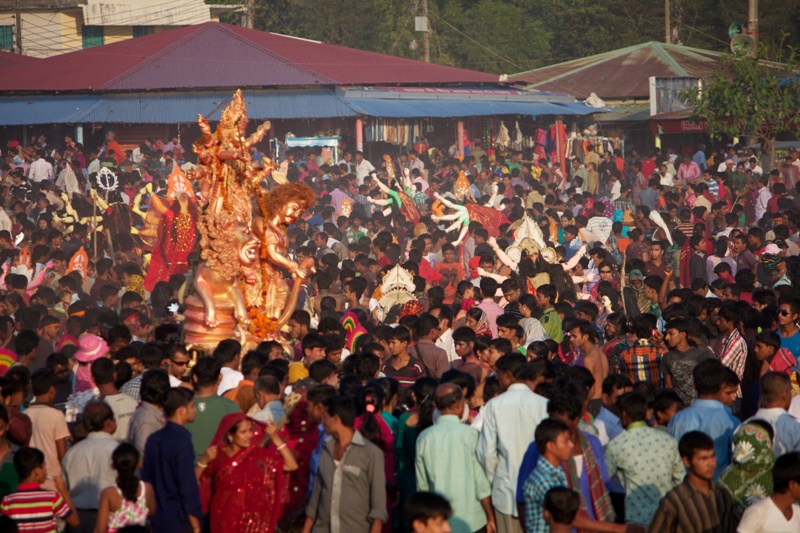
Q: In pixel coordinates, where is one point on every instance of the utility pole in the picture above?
(667, 17)
(426, 36)
(250, 14)
(18, 24)
(752, 23)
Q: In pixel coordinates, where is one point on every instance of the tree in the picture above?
(747, 96)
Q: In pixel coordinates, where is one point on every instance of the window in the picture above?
(140, 31)
(92, 36)
(6, 37)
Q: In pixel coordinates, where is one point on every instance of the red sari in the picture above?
(248, 489)
(302, 437)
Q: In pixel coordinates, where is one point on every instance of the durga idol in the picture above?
(267, 295)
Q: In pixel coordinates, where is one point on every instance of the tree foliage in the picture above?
(748, 96)
(509, 36)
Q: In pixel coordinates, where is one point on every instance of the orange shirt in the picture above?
(243, 394)
(119, 154)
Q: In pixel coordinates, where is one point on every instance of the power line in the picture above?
(187, 15)
(71, 43)
(440, 19)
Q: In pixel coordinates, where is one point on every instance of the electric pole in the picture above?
(667, 16)
(250, 14)
(18, 28)
(752, 23)
(426, 36)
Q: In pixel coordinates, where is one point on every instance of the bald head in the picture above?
(448, 399)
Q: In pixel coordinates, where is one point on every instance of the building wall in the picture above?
(45, 34)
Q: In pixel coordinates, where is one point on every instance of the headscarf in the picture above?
(483, 329)
(749, 478)
(641, 300)
(230, 420)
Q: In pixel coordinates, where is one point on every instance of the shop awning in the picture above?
(443, 102)
(455, 108)
(168, 108)
(172, 107)
(33, 110)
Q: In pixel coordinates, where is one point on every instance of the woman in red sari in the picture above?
(246, 476)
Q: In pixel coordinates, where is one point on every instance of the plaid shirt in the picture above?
(732, 353)
(641, 362)
(543, 478)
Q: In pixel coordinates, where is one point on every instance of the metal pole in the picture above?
(426, 36)
(18, 24)
(359, 134)
(667, 17)
(752, 22)
(460, 140)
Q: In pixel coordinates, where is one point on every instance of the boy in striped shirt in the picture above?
(34, 509)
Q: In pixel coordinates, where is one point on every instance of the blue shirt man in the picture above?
(169, 467)
(712, 418)
(699, 157)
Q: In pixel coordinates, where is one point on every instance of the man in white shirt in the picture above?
(776, 397)
(763, 197)
(5, 220)
(445, 340)
(599, 224)
(509, 427)
(616, 187)
(362, 167)
(94, 164)
(414, 162)
(770, 514)
(40, 169)
(754, 167)
(664, 177)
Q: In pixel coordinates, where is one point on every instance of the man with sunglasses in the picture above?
(788, 331)
(177, 364)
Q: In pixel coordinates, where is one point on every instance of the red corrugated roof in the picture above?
(215, 55)
(10, 59)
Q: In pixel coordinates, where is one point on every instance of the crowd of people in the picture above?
(611, 346)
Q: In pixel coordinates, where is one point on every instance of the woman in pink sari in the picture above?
(246, 476)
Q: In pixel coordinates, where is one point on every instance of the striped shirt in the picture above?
(642, 362)
(34, 509)
(733, 353)
(687, 510)
(406, 375)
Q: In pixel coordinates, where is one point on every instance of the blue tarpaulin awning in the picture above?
(23, 111)
(170, 108)
(388, 108)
